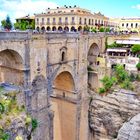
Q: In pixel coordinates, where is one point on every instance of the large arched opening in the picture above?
(60, 28)
(37, 28)
(43, 29)
(53, 28)
(93, 53)
(11, 67)
(66, 28)
(93, 63)
(64, 109)
(48, 28)
(80, 28)
(73, 29)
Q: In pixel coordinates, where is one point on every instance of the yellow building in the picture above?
(130, 24)
(69, 19)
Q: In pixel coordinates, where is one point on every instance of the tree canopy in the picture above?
(24, 24)
(6, 23)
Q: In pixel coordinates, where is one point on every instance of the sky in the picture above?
(110, 8)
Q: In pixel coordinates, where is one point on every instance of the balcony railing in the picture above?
(59, 23)
(48, 23)
(53, 23)
(37, 23)
(72, 23)
(66, 23)
(42, 23)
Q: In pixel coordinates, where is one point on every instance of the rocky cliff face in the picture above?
(108, 113)
(130, 130)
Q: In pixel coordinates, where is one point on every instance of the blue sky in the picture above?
(110, 8)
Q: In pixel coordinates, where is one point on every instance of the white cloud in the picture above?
(136, 6)
(19, 8)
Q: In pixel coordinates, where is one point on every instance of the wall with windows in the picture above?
(69, 19)
(130, 24)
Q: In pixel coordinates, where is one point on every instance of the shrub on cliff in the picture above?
(108, 82)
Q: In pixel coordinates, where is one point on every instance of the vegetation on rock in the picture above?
(11, 112)
(136, 48)
(121, 78)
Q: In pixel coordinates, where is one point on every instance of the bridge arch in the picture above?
(93, 63)
(11, 67)
(64, 109)
(93, 53)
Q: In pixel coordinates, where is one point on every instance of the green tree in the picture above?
(86, 28)
(102, 29)
(3, 23)
(107, 30)
(7, 24)
(121, 73)
(24, 24)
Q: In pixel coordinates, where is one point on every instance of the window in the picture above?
(126, 24)
(60, 19)
(85, 21)
(89, 22)
(63, 52)
(72, 19)
(122, 24)
(66, 19)
(63, 56)
(92, 22)
(136, 25)
(37, 20)
(53, 19)
(96, 22)
(42, 20)
(131, 25)
(48, 20)
(80, 20)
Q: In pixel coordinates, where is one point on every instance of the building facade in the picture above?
(130, 24)
(69, 19)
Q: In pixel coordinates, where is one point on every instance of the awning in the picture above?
(128, 41)
(116, 50)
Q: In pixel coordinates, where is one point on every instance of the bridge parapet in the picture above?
(14, 35)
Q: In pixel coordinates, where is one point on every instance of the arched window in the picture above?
(63, 56)
(63, 52)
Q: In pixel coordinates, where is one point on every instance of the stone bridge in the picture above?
(52, 69)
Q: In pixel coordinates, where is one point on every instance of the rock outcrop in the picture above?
(130, 130)
(108, 113)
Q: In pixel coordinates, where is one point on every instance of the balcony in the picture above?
(59, 23)
(66, 23)
(37, 23)
(72, 23)
(42, 23)
(48, 23)
(53, 23)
